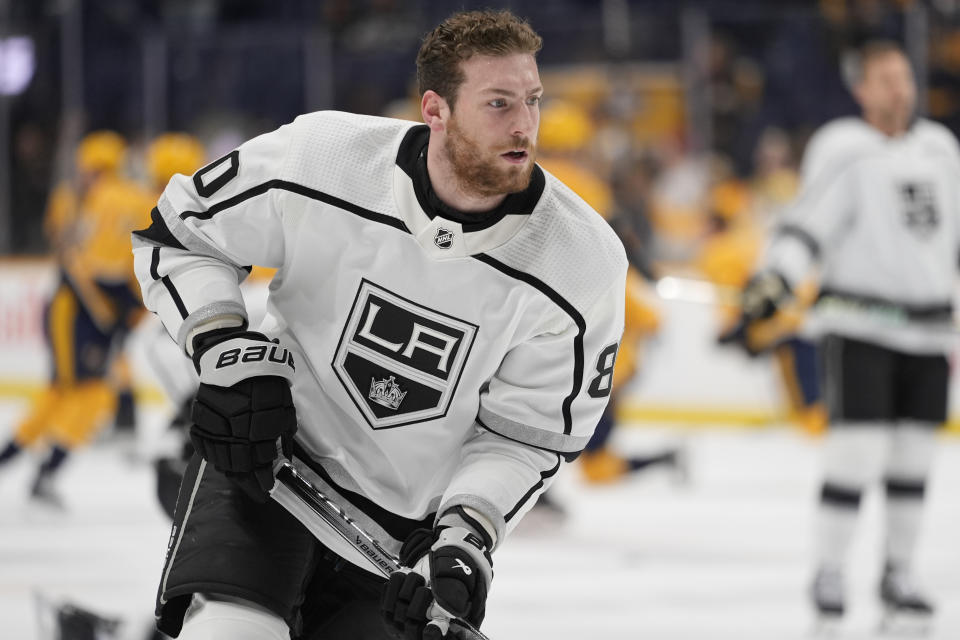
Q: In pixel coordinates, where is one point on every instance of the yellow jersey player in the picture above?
(93, 305)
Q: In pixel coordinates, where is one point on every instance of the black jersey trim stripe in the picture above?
(569, 309)
(803, 236)
(155, 263)
(167, 283)
(299, 189)
(568, 456)
(177, 300)
(543, 476)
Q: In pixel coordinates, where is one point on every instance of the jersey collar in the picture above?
(412, 158)
(445, 232)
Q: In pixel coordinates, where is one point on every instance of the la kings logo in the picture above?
(399, 361)
(920, 208)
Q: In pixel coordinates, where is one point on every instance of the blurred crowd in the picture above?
(693, 132)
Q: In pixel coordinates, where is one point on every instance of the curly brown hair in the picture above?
(464, 35)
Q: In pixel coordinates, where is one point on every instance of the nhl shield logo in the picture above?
(399, 361)
(443, 238)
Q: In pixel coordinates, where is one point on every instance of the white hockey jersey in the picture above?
(882, 217)
(440, 360)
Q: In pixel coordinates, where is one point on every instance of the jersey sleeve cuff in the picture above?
(199, 320)
(491, 518)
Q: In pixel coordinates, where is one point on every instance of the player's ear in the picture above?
(434, 110)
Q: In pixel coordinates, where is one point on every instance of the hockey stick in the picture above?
(318, 513)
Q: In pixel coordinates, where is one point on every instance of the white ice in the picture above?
(725, 556)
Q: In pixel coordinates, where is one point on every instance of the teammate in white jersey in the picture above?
(447, 315)
(879, 212)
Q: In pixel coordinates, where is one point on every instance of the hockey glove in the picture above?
(450, 576)
(762, 296)
(243, 414)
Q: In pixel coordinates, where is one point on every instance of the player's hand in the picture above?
(763, 295)
(760, 300)
(243, 414)
(451, 575)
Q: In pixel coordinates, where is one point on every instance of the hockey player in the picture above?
(95, 303)
(879, 213)
(446, 318)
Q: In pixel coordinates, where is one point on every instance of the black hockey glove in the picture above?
(450, 576)
(762, 296)
(243, 414)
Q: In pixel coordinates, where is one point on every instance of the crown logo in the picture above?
(386, 392)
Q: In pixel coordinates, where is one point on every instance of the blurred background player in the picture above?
(166, 155)
(96, 302)
(566, 130)
(742, 213)
(172, 153)
(878, 211)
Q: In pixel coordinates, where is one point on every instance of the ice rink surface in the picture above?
(724, 555)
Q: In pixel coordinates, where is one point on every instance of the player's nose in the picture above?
(525, 124)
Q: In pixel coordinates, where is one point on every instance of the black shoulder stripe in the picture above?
(299, 189)
(803, 236)
(568, 456)
(543, 476)
(569, 309)
(158, 232)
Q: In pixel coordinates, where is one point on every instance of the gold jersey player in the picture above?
(94, 305)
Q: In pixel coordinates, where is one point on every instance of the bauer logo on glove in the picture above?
(255, 353)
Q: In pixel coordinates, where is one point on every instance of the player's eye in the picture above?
(499, 103)
(534, 100)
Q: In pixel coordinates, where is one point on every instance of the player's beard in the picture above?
(484, 173)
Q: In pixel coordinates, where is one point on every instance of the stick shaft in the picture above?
(305, 502)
